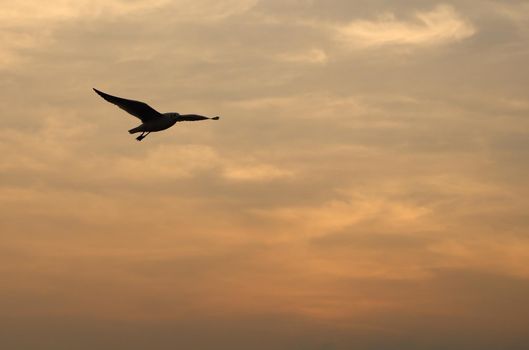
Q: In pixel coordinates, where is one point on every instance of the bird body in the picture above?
(157, 124)
(152, 120)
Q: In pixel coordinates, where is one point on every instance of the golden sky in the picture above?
(365, 188)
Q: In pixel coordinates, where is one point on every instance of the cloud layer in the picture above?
(365, 187)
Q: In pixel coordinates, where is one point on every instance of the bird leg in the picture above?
(143, 135)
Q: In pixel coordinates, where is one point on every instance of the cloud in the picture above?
(441, 25)
(166, 162)
(186, 161)
(355, 211)
(211, 10)
(29, 11)
(259, 172)
(30, 24)
(34, 12)
(518, 13)
(314, 56)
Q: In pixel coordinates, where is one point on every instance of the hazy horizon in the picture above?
(365, 188)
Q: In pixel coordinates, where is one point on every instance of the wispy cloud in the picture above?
(315, 56)
(204, 10)
(441, 25)
(256, 172)
(518, 12)
(27, 11)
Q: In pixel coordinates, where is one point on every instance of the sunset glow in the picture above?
(365, 188)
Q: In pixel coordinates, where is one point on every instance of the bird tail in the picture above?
(135, 130)
(216, 118)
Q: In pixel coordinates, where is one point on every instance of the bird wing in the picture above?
(138, 109)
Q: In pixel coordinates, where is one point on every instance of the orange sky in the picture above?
(365, 188)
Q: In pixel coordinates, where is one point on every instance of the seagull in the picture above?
(151, 119)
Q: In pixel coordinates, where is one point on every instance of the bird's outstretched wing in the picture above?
(138, 109)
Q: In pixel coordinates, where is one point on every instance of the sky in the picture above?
(365, 188)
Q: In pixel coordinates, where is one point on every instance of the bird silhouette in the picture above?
(151, 119)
